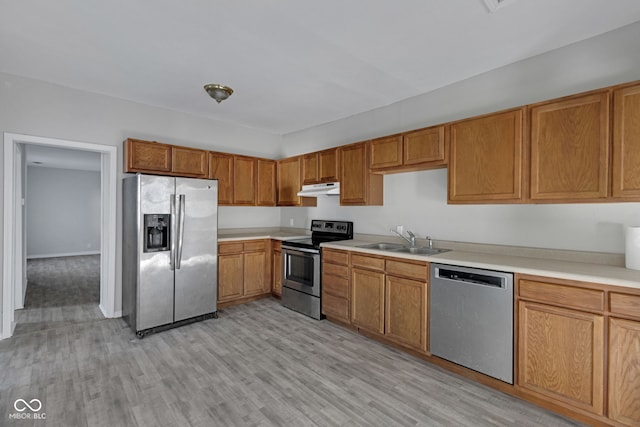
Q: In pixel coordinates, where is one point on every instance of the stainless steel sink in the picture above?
(398, 247)
(421, 250)
(383, 246)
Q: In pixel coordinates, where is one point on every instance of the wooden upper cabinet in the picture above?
(358, 186)
(417, 150)
(289, 183)
(244, 180)
(386, 152)
(570, 149)
(485, 159)
(626, 143)
(320, 166)
(189, 162)
(221, 168)
(165, 159)
(310, 170)
(266, 182)
(147, 156)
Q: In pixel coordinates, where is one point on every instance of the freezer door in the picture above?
(196, 264)
(155, 286)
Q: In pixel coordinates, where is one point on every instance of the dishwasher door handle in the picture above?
(471, 278)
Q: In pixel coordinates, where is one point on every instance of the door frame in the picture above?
(12, 272)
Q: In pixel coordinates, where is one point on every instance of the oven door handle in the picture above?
(300, 251)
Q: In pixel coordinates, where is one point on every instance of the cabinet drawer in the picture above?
(569, 296)
(624, 304)
(258, 245)
(406, 269)
(229, 248)
(337, 286)
(336, 257)
(367, 262)
(335, 270)
(333, 306)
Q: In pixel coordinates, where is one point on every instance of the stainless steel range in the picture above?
(301, 276)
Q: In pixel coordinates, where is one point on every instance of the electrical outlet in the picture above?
(291, 222)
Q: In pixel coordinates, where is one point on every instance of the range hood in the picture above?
(318, 190)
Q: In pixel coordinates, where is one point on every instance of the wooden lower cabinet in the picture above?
(624, 371)
(561, 355)
(406, 312)
(244, 270)
(367, 299)
(276, 268)
(336, 299)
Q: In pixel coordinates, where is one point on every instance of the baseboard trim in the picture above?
(63, 255)
(109, 315)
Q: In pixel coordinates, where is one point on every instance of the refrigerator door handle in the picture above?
(181, 204)
(172, 234)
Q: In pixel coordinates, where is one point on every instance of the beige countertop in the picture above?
(230, 235)
(535, 265)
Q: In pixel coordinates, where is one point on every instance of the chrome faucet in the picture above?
(430, 242)
(411, 239)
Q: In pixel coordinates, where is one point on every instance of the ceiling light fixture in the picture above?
(218, 92)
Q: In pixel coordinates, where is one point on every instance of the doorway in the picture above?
(14, 261)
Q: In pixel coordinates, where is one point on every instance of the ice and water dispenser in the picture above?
(156, 232)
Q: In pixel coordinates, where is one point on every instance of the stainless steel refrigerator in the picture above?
(169, 251)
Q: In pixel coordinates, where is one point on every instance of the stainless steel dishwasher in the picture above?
(471, 319)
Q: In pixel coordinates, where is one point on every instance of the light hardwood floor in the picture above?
(259, 364)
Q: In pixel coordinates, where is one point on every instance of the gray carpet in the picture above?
(60, 291)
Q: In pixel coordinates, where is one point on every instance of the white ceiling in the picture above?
(62, 158)
(293, 64)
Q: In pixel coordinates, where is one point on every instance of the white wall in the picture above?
(418, 199)
(63, 212)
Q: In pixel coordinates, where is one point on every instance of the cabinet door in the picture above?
(425, 146)
(624, 371)
(310, 168)
(221, 168)
(328, 165)
(255, 267)
(367, 299)
(626, 142)
(570, 149)
(277, 273)
(561, 355)
(386, 152)
(147, 156)
(406, 312)
(244, 181)
(266, 182)
(189, 162)
(485, 159)
(358, 186)
(230, 276)
(289, 183)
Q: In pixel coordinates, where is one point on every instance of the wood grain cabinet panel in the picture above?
(336, 293)
(244, 181)
(425, 146)
(289, 183)
(266, 189)
(624, 371)
(328, 165)
(255, 269)
(147, 156)
(276, 268)
(221, 168)
(485, 159)
(367, 299)
(386, 152)
(406, 312)
(358, 186)
(561, 355)
(310, 172)
(230, 276)
(570, 149)
(189, 162)
(626, 143)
